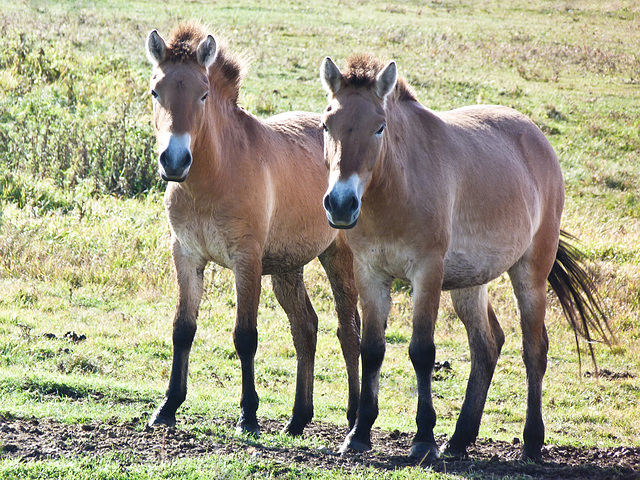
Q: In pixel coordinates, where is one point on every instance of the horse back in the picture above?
(304, 128)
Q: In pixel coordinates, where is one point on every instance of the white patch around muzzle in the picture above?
(175, 157)
(342, 201)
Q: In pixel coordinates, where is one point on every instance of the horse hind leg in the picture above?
(292, 295)
(337, 262)
(530, 291)
(485, 342)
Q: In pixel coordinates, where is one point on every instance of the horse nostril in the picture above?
(327, 203)
(186, 161)
(354, 203)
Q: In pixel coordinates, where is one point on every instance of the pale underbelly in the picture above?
(461, 271)
(209, 245)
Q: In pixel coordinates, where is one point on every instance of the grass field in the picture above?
(84, 240)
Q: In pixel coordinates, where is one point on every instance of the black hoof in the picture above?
(424, 451)
(531, 454)
(354, 445)
(159, 419)
(449, 452)
(249, 429)
(294, 428)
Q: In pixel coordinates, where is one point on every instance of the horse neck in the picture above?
(221, 145)
(392, 178)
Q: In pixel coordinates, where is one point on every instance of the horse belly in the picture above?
(481, 262)
(295, 247)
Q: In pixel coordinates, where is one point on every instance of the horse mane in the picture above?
(362, 69)
(227, 71)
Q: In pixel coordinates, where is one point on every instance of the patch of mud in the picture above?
(609, 375)
(39, 439)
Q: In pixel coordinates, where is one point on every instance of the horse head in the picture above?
(179, 87)
(354, 123)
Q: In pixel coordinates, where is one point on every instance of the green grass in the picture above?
(84, 241)
(238, 467)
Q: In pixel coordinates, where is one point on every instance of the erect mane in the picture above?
(362, 70)
(227, 71)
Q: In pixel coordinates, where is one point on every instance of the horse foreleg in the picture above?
(376, 303)
(485, 342)
(291, 294)
(422, 352)
(531, 296)
(190, 285)
(337, 261)
(245, 338)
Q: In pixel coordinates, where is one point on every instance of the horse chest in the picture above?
(203, 241)
(389, 259)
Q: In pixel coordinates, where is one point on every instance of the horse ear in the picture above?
(156, 48)
(330, 76)
(207, 51)
(386, 80)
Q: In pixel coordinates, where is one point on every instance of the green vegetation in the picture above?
(84, 241)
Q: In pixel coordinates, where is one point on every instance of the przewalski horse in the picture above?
(245, 194)
(447, 201)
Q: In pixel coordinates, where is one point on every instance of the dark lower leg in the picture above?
(337, 261)
(359, 438)
(246, 343)
(177, 391)
(305, 338)
(536, 364)
(291, 294)
(423, 356)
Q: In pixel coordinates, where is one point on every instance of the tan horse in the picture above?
(245, 194)
(447, 201)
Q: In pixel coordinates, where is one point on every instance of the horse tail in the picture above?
(578, 296)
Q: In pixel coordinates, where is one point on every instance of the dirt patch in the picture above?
(39, 439)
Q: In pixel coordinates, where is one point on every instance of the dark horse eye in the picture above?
(154, 94)
(204, 97)
(379, 132)
(324, 127)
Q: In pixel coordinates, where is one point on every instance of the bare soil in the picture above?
(39, 439)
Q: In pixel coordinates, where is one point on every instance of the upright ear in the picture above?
(330, 76)
(156, 48)
(207, 51)
(386, 80)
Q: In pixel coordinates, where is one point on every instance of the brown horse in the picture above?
(446, 201)
(245, 194)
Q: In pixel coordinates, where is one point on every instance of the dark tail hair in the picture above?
(579, 297)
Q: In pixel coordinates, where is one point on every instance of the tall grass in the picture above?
(71, 118)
